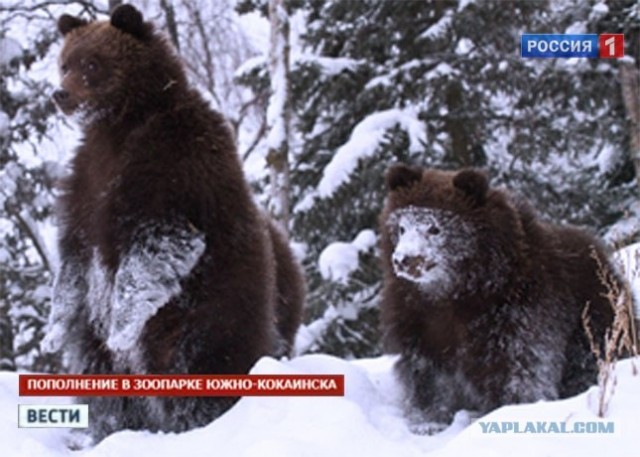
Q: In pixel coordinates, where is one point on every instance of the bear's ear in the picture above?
(128, 19)
(473, 183)
(67, 23)
(401, 175)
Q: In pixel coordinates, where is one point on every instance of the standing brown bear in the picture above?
(167, 265)
(482, 300)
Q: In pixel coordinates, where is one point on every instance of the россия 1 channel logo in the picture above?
(604, 46)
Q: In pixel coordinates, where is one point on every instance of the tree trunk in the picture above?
(172, 25)
(455, 125)
(7, 360)
(629, 82)
(279, 113)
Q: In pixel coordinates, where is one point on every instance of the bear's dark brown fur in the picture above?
(167, 265)
(482, 300)
(290, 287)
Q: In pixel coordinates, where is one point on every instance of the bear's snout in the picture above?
(64, 101)
(412, 265)
(60, 96)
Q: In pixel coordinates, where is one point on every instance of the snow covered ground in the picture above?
(366, 422)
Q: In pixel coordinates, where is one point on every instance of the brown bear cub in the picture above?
(167, 265)
(482, 300)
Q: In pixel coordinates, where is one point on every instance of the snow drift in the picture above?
(367, 421)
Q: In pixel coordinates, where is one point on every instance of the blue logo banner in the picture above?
(558, 45)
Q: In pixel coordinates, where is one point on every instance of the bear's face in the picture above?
(443, 231)
(96, 60)
(430, 245)
(85, 76)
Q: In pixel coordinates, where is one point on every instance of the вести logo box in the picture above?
(611, 45)
(53, 416)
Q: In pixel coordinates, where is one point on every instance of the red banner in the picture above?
(43, 385)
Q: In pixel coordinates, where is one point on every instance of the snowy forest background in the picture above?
(324, 96)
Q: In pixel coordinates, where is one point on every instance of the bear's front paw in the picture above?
(52, 342)
(124, 333)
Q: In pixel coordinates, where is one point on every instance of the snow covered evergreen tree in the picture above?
(26, 182)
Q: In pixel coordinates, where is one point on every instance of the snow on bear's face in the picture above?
(429, 247)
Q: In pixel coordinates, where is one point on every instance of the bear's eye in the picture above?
(433, 230)
(401, 230)
(64, 68)
(92, 66)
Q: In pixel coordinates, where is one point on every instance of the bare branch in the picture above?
(208, 65)
(172, 26)
(29, 226)
(259, 135)
(87, 6)
(113, 4)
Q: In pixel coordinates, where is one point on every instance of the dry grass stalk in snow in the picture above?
(620, 339)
